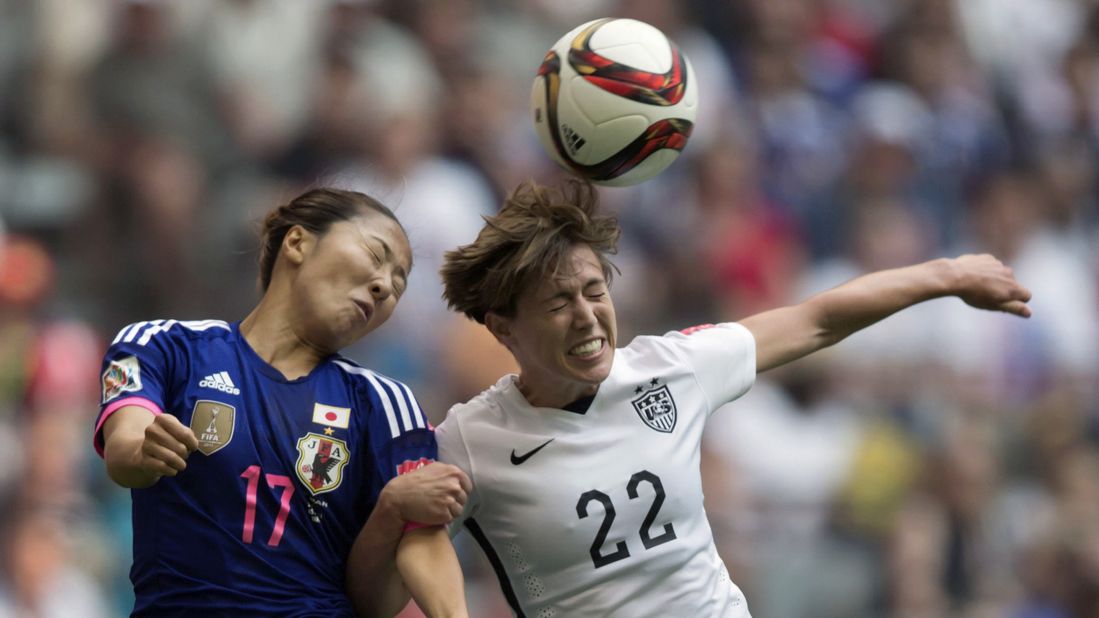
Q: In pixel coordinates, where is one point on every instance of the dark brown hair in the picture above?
(526, 241)
(315, 210)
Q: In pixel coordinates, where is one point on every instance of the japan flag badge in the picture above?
(331, 415)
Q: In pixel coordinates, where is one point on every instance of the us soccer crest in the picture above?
(656, 407)
(321, 461)
(213, 423)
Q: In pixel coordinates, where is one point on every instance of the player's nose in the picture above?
(584, 315)
(381, 287)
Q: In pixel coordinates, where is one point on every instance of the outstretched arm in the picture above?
(432, 495)
(788, 333)
(430, 569)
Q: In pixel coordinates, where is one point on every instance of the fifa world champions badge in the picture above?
(213, 423)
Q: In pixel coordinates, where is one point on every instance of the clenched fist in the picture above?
(985, 282)
(166, 446)
(141, 447)
(433, 495)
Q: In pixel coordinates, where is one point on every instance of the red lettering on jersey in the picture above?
(695, 329)
(409, 465)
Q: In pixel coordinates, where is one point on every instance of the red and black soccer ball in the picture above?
(614, 101)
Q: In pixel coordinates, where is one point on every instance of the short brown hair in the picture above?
(525, 242)
(315, 210)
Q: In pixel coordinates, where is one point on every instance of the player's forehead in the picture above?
(375, 230)
(579, 268)
(580, 262)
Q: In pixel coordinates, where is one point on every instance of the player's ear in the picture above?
(296, 244)
(499, 326)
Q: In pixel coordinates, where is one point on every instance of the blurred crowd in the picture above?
(944, 463)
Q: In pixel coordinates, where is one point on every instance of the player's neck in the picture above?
(541, 394)
(272, 339)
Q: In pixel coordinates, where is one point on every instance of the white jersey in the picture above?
(600, 513)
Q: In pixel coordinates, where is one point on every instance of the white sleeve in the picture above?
(722, 358)
(453, 450)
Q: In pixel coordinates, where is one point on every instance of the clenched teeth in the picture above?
(587, 349)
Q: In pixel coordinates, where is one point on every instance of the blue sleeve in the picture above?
(137, 368)
(400, 436)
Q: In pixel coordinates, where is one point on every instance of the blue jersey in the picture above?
(262, 520)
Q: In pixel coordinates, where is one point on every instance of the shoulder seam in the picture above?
(712, 406)
(402, 411)
(149, 329)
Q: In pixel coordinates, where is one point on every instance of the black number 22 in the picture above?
(620, 550)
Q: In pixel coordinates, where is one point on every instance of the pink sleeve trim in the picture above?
(140, 402)
(412, 525)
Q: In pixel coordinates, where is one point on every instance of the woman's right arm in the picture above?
(140, 447)
(431, 572)
(430, 496)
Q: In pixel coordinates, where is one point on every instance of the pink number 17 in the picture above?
(273, 481)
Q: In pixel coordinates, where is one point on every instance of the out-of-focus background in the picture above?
(943, 464)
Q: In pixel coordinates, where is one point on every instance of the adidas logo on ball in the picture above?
(572, 139)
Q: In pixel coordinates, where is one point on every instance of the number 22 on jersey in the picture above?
(621, 551)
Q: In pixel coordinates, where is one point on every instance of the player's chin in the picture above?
(349, 334)
(592, 371)
(357, 325)
(359, 332)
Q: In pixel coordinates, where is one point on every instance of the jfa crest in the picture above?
(320, 462)
(656, 407)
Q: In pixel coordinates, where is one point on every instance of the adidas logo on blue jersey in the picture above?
(220, 382)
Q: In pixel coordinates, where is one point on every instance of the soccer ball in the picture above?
(614, 101)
